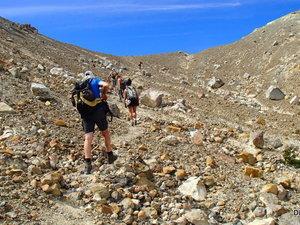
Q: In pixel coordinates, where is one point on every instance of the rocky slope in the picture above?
(210, 153)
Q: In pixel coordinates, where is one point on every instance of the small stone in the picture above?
(274, 93)
(197, 217)
(259, 212)
(105, 209)
(291, 218)
(128, 219)
(268, 199)
(282, 193)
(270, 188)
(197, 138)
(60, 122)
(180, 174)
(142, 215)
(276, 210)
(210, 161)
(193, 187)
(295, 100)
(173, 129)
(258, 139)
(252, 171)
(168, 169)
(215, 83)
(247, 157)
(4, 108)
(142, 148)
(285, 182)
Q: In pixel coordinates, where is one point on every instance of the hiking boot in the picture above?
(87, 168)
(111, 157)
(132, 123)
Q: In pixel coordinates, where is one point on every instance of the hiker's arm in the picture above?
(72, 93)
(104, 86)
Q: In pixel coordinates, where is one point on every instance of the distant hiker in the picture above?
(113, 80)
(140, 65)
(131, 100)
(91, 103)
(121, 85)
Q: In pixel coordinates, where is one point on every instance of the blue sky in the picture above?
(139, 27)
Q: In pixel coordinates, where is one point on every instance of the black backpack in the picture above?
(84, 87)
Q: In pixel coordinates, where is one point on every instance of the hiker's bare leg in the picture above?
(131, 111)
(107, 140)
(88, 139)
(134, 112)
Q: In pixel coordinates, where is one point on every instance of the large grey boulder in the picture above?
(193, 187)
(151, 98)
(268, 221)
(41, 91)
(4, 108)
(215, 83)
(274, 93)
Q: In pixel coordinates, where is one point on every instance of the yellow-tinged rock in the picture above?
(46, 188)
(153, 193)
(197, 138)
(270, 188)
(261, 121)
(115, 208)
(210, 161)
(142, 215)
(247, 157)
(164, 157)
(180, 174)
(168, 169)
(105, 209)
(252, 171)
(285, 182)
(173, 129)
(198, 125)
(47, 103)
(55, 190)
(60, 122)
(142, 148)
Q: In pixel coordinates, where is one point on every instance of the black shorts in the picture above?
(96, 117)
(133, 102)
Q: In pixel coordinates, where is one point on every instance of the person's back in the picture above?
(131, 101)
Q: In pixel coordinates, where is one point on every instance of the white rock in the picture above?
(57, 71)
(193, 187)
(295, 100)
(268, 221)
(151, 98)
(170, 140)
(197, 217)
(215, 83)
(4, 108)
(40, 67)
(274, 93)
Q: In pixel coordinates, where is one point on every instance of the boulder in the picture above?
(215, 83)
(41, 91)
(57, 71)
(193, 187)
(197, 217)
(291, 218)
(151, 98)
(274, 93)
(270, 188)
(4, 108)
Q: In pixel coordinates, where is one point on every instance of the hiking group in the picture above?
(89, 96)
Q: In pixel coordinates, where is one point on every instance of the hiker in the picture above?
(131, 100)
(140, 65)
(91, 103)
(121, 86)
(113, 79)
